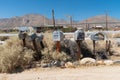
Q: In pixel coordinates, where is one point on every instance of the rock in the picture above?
(44, 65)
(116, 62)
(62, 63)
(57, 63)
(77, 63)
(100, 62)
(88, 61)
(108, 62)
(69, 65)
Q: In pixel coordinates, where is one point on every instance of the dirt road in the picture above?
(82, 73)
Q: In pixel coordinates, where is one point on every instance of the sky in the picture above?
(78, 9)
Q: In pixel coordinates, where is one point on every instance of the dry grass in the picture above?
(13, 55)
(50, 53)
(3, 38)
(117, 35)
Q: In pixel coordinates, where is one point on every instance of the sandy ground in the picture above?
(82, 73)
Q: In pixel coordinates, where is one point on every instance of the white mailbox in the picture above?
(98, 36)
(58, 35)
(79, 34)
(40, 36)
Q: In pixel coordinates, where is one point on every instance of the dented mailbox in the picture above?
(58, 35)
(79, 34)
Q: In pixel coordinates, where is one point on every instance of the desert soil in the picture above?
(81, 73)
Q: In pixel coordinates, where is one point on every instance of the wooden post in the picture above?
(106, 46)
(35, 45)
(108, 43)
(42, 45)
(53, 19)
(79, 49)
(94, 47)
(58, 46)
(24, 42)
(109, 47)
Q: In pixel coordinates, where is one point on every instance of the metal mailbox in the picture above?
(31, 36)
(22, 35)
(98, 36)
(79, 34)
(40, 37)
(58, 35)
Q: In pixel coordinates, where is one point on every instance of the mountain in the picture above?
(39, 20)
(101, 20)
(27, 20)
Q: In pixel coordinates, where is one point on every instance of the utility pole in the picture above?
(53, 18)
(106, 21)
(86, 24)
(70, 21)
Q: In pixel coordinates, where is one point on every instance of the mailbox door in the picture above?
(80, 36)
(56, 36)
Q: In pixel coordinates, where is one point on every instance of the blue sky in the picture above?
(79, 9)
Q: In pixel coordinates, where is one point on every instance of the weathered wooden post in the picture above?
(57, 37)
(108, 43)
(79, 36)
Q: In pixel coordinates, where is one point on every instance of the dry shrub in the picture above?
(54, 55)
(100, 45)
(49, 53)
(3, 38)
(116, 35)
(13, 55)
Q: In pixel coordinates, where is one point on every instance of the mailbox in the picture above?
(31, 36)
(58, 35)
(79, 34)
(23, 29)
(98, 36)
(22, 35)
(40, 37)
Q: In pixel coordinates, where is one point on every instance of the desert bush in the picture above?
(117, 35)
(48, 56)
(13, 55)
(3, 38)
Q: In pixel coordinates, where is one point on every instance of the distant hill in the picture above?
(39, 20)
(101, 20)
(27, 20)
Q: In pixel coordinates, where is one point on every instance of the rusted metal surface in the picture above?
(58, 46)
